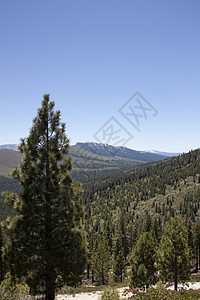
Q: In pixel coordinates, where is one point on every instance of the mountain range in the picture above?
(102, 149)
(9, 147)
(89, 159)
(136, 181)
(168, 154)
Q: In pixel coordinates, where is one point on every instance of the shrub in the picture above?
(164, 294)
(13, 291)
(110, 295)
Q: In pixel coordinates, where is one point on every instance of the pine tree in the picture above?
(45, 243)
(190, 237)
(196, 242)
(1, 258)
(156, 229)
(101, 261)
(143, 261)
(121, 242)
(173, 253)
(108, 233)
(119, 268)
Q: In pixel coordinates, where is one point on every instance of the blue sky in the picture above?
(92, 56)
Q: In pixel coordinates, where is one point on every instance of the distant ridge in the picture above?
(89, 159)
(9, 147)
(119, 151)
(104, 149)
(168, 154)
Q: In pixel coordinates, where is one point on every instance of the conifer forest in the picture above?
(139, 227)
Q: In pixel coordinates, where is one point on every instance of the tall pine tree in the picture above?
(143, 270)
(101, 261)
(196, 244)
(119, 267)
(174, 254)
(45, 243)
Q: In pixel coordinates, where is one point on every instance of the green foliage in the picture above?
(7, 184)
(121, 242)
(143, 262)
(145, 193)
(110, 295)
(173, 253)
(1, 258)
(13, 291)
(119, 268)
(196, 244)
(164, 294)
(121, 207)
(45, 243)
(101, 261)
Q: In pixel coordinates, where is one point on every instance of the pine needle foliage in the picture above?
(173, 253)
(45, 243)
(143, 270)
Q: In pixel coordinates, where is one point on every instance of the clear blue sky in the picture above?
(92, 56)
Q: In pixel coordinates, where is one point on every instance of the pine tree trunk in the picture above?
(102, 274)
(50, 270)
(1, 267)
(1, 273)
(198, 257)
(197, 263)
(50, 277)
(50, 282)
(175, 284)
(50, 294)
(175, 275)
(88, 271)
(92, 276)
(50, 289)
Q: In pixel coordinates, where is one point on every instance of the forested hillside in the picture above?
(128, 212)
(145, 194)
(159, 189)
(9, 159)
(89, 159)
(121, 209)
(7, 184)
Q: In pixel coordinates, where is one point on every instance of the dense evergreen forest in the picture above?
(11, 185)
(156, 191)
(128, 216)
(118, 211)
